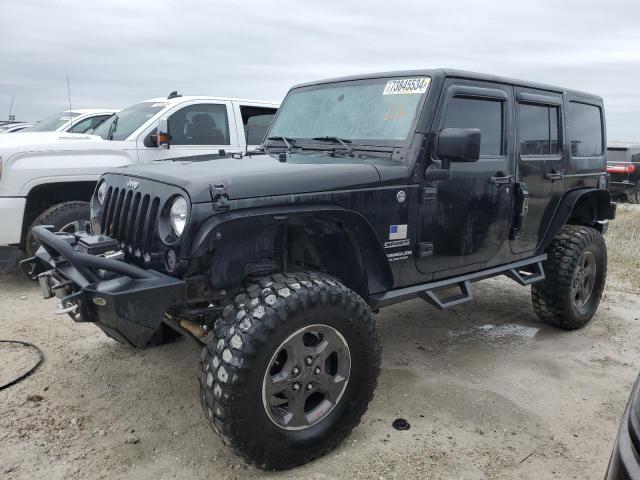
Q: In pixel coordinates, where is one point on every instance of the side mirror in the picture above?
(163, 137)
(459, 144)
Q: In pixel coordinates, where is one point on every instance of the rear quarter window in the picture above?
(585, 130)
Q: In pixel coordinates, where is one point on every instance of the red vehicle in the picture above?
(623, 164)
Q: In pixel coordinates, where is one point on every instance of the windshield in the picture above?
(127, 121)
(377, 110)
(52, 123)
(617, 155)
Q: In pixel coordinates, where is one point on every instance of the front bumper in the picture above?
(92, 284)
(11, 218)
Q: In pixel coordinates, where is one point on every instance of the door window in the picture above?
(82, 126)
(538, 129)
(585, 126)
(485, 114)
(256, 121)
(97, 121)
(203, 124)
(88, 124)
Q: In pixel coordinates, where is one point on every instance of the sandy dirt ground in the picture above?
(489, 393)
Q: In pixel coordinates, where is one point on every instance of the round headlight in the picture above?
(178, 215)
(102, 193)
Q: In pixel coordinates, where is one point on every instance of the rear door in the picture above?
(464, 219)
(541, 164)
(253, 120)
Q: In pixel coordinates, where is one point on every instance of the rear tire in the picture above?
(62, 216)
(243, 367)
(575, 270)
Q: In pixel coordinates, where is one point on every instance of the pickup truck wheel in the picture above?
(63, 216)
(290, 369)
(575, 275)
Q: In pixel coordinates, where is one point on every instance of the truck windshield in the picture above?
(373, 111)
(52, 123)
(127, 121)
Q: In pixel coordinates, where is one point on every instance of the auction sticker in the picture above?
(406, 86)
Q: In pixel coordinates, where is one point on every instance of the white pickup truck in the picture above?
(49, 177)
(79, 120)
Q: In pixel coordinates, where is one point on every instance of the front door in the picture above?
(540, 167)
(196, 129)
(465, 218)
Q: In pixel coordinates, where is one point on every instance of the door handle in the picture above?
(501, 180)
(554, 175)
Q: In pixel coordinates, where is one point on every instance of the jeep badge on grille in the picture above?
(133, 184)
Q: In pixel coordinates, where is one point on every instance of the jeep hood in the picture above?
(263, 175)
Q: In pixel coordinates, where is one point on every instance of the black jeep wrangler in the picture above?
(623, 164)
(368, 191)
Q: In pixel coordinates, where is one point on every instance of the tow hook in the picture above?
(50, 287)
(69, 305)
(61, 309)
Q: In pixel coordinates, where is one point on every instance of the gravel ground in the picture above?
(489, 393)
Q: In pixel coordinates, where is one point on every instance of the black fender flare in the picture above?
(602, 209)
(367, 246)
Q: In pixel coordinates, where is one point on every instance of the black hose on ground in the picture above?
(28, 372)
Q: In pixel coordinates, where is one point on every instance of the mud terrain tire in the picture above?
(238, 360)
(558, 300)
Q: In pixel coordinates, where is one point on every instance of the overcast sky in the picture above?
(120, 52)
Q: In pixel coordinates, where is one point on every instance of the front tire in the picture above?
(576, 270)
(62, 216)
(290, 369)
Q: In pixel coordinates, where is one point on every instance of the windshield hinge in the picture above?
(219, 197)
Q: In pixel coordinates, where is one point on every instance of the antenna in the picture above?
(69, 94)
(11, 106)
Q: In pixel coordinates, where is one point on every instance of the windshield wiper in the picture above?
(339, 140)
(289, 142)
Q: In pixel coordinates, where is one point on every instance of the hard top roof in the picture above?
(447, 72)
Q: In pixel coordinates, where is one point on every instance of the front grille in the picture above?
(131, 219)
